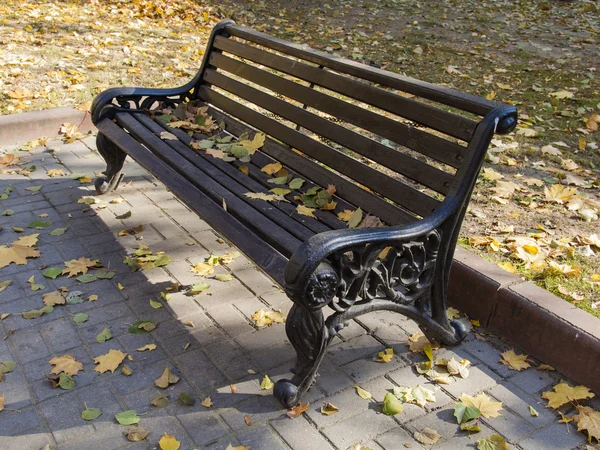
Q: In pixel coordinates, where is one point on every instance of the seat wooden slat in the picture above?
(391, 188)
(230, 176)
(425, 143)
(254, 217)
(265, 256)
(309, 146)
(430, 116)
(445, 96)
(308, 169)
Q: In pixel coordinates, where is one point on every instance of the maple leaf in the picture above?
(486, 406)
(77, 266)
(109, 361)
(563, 394)
(298, 410)
(588, 420)
(514, 361)
(306, 211)
(207, 402)
(166, 379)
(53, 298)
(417, 342)
(67, 364)
(418, 395)
(20, 250)
(203, 269)
(264, 318)
(385, 356)
(559, 194)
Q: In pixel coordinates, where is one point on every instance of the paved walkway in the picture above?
(221, 349)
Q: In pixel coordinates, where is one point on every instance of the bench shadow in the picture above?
(208, 340)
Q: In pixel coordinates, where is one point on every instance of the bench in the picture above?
(406, 152)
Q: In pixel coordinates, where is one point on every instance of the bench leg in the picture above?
(114, 157)
(306, 331)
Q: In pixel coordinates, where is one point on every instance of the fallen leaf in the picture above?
(532, 411)
(186, 399)
(128, 417)
(168, 442)
(417, 395)
(80, 317)
(266, 383)
(427, 436)
(563, 394)
(305, 211)
(67, 364)
(271, 169)
(166, 136)
(247, 420)
(65, 381)
(465, 413)
(90, 413)
(385, 356)
(493, 442)
(488, 408)
(141, 326)
(264, 318)
(4, 284)
(52, 272)
(355, 219)
(514, 361)
(160, 401)
(53, 298)
(237, 447)
(136, 434)
(327, 409)
(77, 266)
(588, 420)
(7, 366)
(104, 336)
(109, 361)
(362, 393)
(265, 197)
(391, 405)
(207, 402)
(166, 379)
(298, 410)
(147, 347)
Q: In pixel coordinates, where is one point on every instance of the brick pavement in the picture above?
(222, 348)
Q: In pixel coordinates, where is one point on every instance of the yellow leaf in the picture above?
(508, 266)
(207, 402)
(202, 269)
(327, 409)
(266, 383)
(559, 194)
(345, 215)
(385, 356)
(53, 298)
(244, 170)
(67, 364)
(563, 394)
(109, 361)
(166, 379)
(271, 169)
(418, 341)
(264, 318)
(77, 266)
(120, 286)
(21, 249)
(168, 442)
(514, 361)
(452, 313)
(237, 447)
(427, 436)
(306, 211)
(493, 442)
(93, 298)
(280, 191)
(564, 269)
(588, 420)
(298, 410)
(562, 94)
(265, 197)
(489, 408)
(533, 412)
(362, 393)
(149, 347)
(545, 367)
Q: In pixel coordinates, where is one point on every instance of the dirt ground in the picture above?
(535, 210)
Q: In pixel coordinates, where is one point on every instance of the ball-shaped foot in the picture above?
(460, 330)
(101, 185)
(286, 393)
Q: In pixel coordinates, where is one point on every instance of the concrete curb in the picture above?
(538, 322)
(20, 128)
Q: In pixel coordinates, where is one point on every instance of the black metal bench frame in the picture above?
(318, 262)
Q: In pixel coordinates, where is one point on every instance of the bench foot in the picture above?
(115, 158)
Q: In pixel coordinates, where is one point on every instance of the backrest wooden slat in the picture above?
(345, 189)
(389, 187)
(433, 146)
(430, 116)
(414, 169)
(450, 97)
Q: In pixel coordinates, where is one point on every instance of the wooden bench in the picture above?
(406, 152)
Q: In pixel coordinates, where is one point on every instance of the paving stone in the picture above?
(167, 424)
(13, 423)
(29, 345)
(331, 379)
(396, 439)
(202, 425)
(60, 335)
(260, 438)
(141, 401)
(16, 322)
(489, 354)
(480, 378)
(518, 401)
(63, 414)
(99, 396)
(35, 438)
(299, 434)
(230, 320)
(359, 428)
(353, 349)
(132, 342)
(199, 369)
(532, 381)
(259, 409)
(275, 355)
(557, 436)
(363, 370)
(256, 281)
(224, 397)
(229, 358)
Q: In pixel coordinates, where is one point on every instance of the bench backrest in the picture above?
(394, 146)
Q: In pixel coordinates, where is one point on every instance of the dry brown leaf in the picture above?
(53, 298)
(109, 361)
(166, 379)
(20, 250)
(514, 361)
(67, 364)
(298, 410)
(427, 436)
(77, 266)
(207, 402)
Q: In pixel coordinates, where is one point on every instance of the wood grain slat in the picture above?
(393, 189)
(266, 257)
(320, 175)
(445, 96)
(251, 216)
(420, 141)
(451, 124)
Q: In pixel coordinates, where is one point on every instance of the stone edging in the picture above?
(21, 128)
(541, 324)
